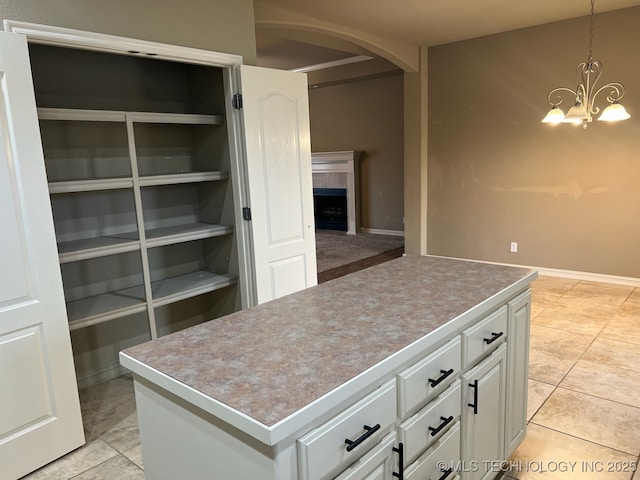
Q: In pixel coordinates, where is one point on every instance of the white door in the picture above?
(39, 408)
(276, 121)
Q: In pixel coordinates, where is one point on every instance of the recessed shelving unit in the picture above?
(138, 170)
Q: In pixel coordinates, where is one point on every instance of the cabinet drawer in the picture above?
(429, 377)
(324, 449)
(484, 337)
(377, 464)
(430, 423)
(446, 452)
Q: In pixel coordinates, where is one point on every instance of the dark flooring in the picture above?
(359, 265)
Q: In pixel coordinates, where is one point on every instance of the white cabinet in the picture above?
(483, 418)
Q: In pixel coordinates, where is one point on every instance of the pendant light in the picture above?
(585, 94)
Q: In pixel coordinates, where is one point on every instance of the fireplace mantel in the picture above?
(343, 161)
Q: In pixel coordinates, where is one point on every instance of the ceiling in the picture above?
(416, 22)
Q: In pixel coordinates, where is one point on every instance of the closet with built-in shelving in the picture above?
(146, 188)
(139, 169)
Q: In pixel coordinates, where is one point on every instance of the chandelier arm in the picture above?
(616, 93)
(559, 98)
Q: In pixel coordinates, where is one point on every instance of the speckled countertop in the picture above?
(269, 361)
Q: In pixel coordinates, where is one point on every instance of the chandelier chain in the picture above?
(591, 31)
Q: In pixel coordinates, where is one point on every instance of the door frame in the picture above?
(230, 63)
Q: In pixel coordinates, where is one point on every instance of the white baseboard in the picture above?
(572, 274)
(96, 377)
(590, 277)
(378, 231)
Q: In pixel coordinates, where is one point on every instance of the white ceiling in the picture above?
(434, 22)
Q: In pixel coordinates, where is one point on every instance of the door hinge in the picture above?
(237, 101)
(246, 213)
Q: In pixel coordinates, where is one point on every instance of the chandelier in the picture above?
(585, 94)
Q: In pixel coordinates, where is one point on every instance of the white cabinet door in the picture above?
(518, 370)
(483, 418)
(39, 408)
(276, 120)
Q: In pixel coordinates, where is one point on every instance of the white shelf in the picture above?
(102, 308)
(72, 114)
(174, 289)
(81, 115)
(176, 118)
(174, 178)
(93, 185)
(75, 250)
(184, 233)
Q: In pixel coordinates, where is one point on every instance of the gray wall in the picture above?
(366, 115)
(569, 197)
(218, 25)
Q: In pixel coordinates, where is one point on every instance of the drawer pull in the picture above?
(494, 337)
(446, 473)
(474, 385)
(445, 421)
(351, 444)
(437, 381)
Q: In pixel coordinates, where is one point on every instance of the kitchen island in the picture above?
(396, 371)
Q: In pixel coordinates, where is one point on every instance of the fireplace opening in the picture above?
(330, 208)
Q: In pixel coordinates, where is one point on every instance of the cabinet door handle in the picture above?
(351, 444)
(437, 381)
(400, 451)
(474, 385)
(494, 337)
(445, 421)
(446, 473)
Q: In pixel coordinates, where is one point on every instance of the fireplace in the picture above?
(338, 172)
(330, 208)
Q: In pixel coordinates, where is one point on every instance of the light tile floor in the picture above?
(584, 395)
(584, 383)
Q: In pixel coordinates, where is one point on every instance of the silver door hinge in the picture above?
(237, 101)
(246, 213)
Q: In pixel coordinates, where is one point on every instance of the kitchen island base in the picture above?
(439, 392)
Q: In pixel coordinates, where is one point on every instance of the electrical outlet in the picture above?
(514, 247)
